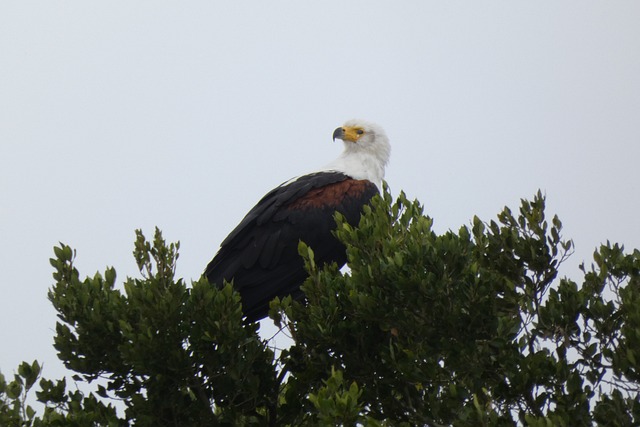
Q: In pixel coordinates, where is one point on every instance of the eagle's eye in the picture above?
(359, 131)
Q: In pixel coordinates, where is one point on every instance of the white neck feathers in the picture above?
(366, 158)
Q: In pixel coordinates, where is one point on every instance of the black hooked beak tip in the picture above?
(338, 133)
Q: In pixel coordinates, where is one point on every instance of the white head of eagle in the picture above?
(260, 256)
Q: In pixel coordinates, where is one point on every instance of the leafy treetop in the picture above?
(464, 328)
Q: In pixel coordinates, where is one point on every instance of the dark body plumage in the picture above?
(261, 253)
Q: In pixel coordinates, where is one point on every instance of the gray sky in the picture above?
(123, 115)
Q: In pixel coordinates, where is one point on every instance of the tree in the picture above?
(464, 328)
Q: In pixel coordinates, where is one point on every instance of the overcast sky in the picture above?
(122, 115)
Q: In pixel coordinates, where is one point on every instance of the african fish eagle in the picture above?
(261, 255)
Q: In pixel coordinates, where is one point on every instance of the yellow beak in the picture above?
(347, 133)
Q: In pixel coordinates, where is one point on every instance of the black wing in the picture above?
(261, 253)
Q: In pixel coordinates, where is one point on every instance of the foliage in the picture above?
(464, 328)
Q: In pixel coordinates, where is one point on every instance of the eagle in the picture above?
(260, 256)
